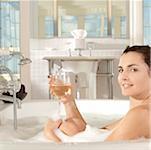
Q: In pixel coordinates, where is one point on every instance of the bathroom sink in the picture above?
(78, 63)
(83, 68)
(83, 63)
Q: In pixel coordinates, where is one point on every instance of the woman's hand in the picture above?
(49, 128)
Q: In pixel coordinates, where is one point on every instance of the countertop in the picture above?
(85, 55)
(78, 58)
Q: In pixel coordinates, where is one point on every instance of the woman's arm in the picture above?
(134, 125)
(74, 121)
(68, 101)
(73, 124)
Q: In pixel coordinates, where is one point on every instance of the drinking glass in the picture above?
(61, 86)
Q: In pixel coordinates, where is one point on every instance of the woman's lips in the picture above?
(126, 85)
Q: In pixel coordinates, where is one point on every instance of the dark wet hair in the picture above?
(145, 50)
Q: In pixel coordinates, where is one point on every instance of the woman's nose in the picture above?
(124, 75)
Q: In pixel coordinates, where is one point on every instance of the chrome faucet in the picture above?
(79, 51)
(15, 102)
(12, 87)
(90, 47)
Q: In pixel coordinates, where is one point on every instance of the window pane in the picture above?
(49, 26)
(88, 15)
(147, 16)
(100, 18)
(147, 22)
(42, 18)
(9, 31)
(95, 25)
(120, 19)
(147, 35)
(9, 24)
(147, 3)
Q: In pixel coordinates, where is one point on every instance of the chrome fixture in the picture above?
(11, 85)
(23, 60)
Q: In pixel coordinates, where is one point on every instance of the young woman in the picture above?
(135, 81)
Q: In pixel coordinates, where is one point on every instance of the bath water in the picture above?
(31, 129)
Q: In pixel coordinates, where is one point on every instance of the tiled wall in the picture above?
(39, 73)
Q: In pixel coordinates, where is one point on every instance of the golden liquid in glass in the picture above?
(61, 89)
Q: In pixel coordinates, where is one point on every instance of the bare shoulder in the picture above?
(134, 125)
(140, 112)
(138, 120)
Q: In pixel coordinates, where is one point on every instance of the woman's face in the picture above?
(134, 77)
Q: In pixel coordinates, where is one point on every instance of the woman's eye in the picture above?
(120, 70)
(133, 69)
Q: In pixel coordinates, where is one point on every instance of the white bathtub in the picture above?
(33, 115)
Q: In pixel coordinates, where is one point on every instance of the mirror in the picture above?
(100, 18)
